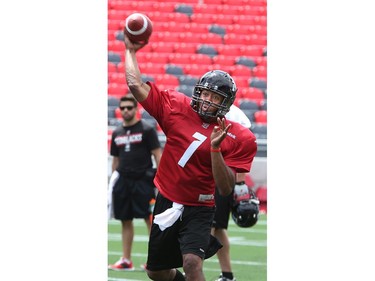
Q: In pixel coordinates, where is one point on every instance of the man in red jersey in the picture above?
(202, 151)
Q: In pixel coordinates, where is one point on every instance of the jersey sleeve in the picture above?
(162, 104)
(241, 156)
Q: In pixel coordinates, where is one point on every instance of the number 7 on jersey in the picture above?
(192, 148)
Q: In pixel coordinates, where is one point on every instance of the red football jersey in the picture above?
(184, 174)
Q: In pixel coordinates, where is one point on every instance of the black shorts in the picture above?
(131, 198)
(223, 209)
(189, 234)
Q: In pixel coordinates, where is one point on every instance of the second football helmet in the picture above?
(245, 213)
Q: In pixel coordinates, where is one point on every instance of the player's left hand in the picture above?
(219, 132)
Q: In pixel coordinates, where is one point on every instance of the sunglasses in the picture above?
(127, 107)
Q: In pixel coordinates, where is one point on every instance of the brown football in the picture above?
(138, 27)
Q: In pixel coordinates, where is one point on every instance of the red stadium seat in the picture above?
(179, 58)
(185, 48)
(152, 68)
(223, 60)
(195, 28)
(228, 50)
(205, 9)
(112, 68)
(211, 38)
(261, 193)
(116, 89)
(118, 78)
(203, 18)
(251, 51)
(261, 116)
(240, 70)
(116, 46)
(201, 59)
(253, 94)
(162, 47)
(166, 80)
(166, 36)
(260, 72)
(244, 20)
(224, 19)
(196, 70)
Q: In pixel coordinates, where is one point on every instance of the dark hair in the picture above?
(129, 97)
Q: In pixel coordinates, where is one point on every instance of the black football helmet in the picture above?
(245, 213)
(219, 82)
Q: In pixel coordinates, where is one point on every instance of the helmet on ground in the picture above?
(219, 82)
(245, 213)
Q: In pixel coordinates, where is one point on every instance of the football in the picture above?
(138, 27)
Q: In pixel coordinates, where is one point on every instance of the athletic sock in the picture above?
(228, 275)
(179, 276)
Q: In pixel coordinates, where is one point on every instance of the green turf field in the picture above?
(248, 252)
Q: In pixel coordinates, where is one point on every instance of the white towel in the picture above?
(114, 177)
(169, 216)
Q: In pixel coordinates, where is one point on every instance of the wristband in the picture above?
(215, 149)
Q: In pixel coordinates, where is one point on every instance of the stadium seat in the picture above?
(211, 39)
(160, 58)
(261, 193)
(203, 18)
(147, 77)
(205, 9)
(116, 46)
(178, 59)
(196, 70)
(195, 28)
(166, 37)
(186, 89)
(119, 35)
(179, 18)
(253, 94)
(242, 82)
(115, 89)
(114, 57)
(162, 47)
(184, 8)
(260, 72)
(152, 68)
(240, 70)
(185, 48)
(117, 77)
(260, 116)
(113, 101)
(207, 50)
(237, 29)
(112, 68)
(248, 104)
(251, 51)
(167, 81)
(227, 10)
(228, 50)
(174, 70)
(258, 83)
(164, 7)
(263, 105)
(188, 80)
(259, 130)
(217, 29)
(246, 61)
(201, 59)
(223, 60)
